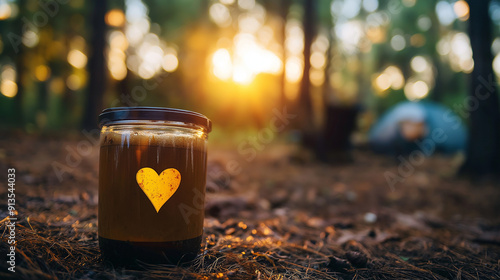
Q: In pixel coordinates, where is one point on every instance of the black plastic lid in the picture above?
(110, 115)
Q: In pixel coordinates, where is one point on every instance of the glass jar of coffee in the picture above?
(152, 174)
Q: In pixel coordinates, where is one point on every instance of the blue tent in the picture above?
(444, 131)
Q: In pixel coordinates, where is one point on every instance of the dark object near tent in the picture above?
(424, 126)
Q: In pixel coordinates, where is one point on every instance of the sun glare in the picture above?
(245, 61)
(222, 64)
(293, 69)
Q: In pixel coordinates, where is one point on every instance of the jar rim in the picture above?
(114, 114)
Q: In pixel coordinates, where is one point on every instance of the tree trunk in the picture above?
(334, 145)
(20, 69)
(96, 66)
(283, 12)
(305, 103)
(483, 151)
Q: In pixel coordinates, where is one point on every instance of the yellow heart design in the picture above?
(158, 189)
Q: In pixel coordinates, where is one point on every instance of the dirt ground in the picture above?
(278, 216)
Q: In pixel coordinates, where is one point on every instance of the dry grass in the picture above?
(276, 220)
(265, 250)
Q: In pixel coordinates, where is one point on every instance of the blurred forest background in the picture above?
(61, 62)
(327, 69)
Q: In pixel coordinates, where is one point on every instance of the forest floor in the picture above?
(282, 216)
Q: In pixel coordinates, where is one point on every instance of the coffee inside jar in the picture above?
(151, 192)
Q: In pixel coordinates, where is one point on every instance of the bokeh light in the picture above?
(392, 77)
(383, 82)
(42, 73)
(461, 9)
(445, 12)
(118, 40)
(141, 50)
(496, 65)
(293, 70)
(317, 77)
(220, 15)
(246, 4)
(8, 88)
(395, 76)
(115, 18)
(318, 60)
(443, 46)
(495, 46)
(170, 62)
(8, 73)
(398, 42)
(57, 85)
(350, 34)
(77, 59)
(30, 38)
(416, 90)
(294, 42)
(417, 40)
(461, 53)
(8, 85)
(74, 82)
(320, 44)
(419, 64)
(5, 10)
(116, 64)
(370, 5)
(424, 23)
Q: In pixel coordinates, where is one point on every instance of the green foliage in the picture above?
(174, 16)
(177, 22)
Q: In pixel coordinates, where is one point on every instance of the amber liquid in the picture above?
(130, 229)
